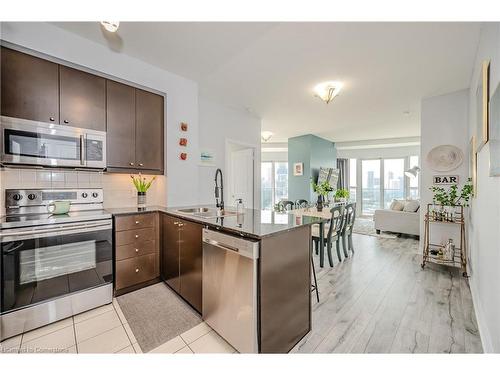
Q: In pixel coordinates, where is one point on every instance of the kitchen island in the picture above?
(283, 266)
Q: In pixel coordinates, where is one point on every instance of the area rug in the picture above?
(156, 315)
(367, 227)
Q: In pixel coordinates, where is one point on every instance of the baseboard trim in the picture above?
(478, 310)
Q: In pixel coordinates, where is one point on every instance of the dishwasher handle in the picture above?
(221, 245)
(243, 247)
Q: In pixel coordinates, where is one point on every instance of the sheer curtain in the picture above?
(343, 167)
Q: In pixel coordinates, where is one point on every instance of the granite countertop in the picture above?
(253, 223)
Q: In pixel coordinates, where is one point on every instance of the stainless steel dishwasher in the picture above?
(230, 288)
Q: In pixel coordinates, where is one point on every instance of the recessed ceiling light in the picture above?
(111, 26)
(326, 91)
(266, 135)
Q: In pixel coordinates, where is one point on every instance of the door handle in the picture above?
(82, 149)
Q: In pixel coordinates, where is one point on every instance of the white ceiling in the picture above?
(271, 68)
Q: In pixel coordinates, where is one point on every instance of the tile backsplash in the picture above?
(118, 188)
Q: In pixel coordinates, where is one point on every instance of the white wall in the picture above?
(218, 126)
(484, 231)
(181, 103)
(379, 148)
(444, 121)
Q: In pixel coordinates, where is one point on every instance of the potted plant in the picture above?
(449, 198)
(142, 186)
(322, 191)
(341, 195)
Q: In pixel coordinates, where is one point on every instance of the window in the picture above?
(352, 179)
(370, 186)
(266, 172)
(274, 183)
(394, 180)
(413, 183)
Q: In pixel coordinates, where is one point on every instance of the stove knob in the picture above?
(95, 195)
(84, 195)
(31, 196)
(17, 197)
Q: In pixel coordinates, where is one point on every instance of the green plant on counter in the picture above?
(141, 184)
(451, 197)
(321, 189)
(342, 193)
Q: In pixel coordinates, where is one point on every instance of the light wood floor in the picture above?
(380, 301)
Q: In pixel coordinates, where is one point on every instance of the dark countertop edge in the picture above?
(173, 212)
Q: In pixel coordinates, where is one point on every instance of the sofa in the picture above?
(397, 221)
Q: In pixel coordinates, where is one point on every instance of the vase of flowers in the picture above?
(322, 190)
(341, 195)
(142, 186)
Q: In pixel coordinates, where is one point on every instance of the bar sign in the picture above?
(445, 180)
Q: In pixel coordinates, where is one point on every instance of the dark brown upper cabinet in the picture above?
(148, 130)
(120, 118)
(82, 99)
(30, 87)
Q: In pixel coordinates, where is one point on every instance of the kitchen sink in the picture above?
(196, 210)
(206, 212)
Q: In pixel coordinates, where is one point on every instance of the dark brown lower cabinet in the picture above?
(137, 252)
(182, 255)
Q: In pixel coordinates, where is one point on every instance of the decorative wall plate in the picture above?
(445, 158)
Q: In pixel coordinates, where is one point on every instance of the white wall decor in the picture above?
(298, 169)
(445, 179)
(445, 158)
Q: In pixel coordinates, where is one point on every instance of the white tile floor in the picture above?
(105, 330)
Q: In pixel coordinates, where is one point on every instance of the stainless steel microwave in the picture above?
(27, 142)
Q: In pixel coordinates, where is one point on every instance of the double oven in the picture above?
(53, 266)
(27, 142)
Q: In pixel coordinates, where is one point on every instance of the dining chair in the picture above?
(333, 232)
(350, 217)
(301, 203)
(286, 205)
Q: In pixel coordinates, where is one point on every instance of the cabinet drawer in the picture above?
(134, 221)
(135, 249)
(136, 270)
(134, 236)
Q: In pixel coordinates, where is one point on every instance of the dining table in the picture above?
(325, 214)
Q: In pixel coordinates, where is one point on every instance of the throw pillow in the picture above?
(396, 205)
(411, 206)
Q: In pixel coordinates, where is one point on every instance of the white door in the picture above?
(241, 177)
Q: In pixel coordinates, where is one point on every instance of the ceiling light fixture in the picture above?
(266, 135)
(326, 91)
(111, 26)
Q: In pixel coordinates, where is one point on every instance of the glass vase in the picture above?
(141, 199)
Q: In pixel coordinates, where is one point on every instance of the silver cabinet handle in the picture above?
(181, 225)
(52, 119)
(136, 250)
(66, 121)
(137, 222)
(131, 164)
(176, 223)
(136, 270)
(141, 165)
(136, 236)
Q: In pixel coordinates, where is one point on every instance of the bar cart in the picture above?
(433, 253)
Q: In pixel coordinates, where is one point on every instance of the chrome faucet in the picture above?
(219, 191)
